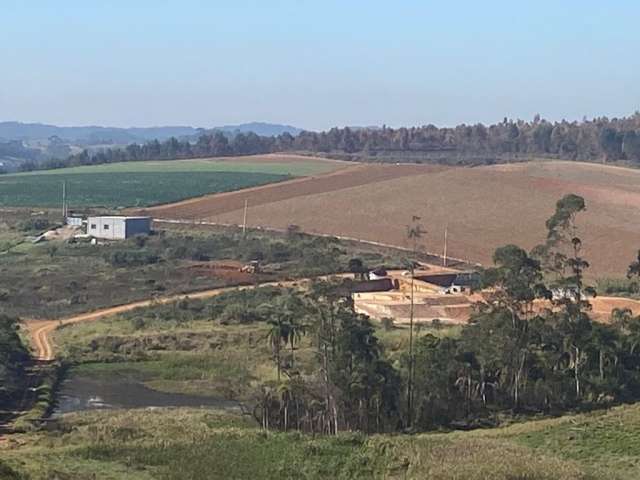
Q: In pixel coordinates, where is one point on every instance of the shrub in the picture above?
(618, 286)
(387, 324)
(131, 258)
(138, 323)
(34, 224)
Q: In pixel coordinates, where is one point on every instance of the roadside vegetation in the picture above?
(13, 358)
(59, 278)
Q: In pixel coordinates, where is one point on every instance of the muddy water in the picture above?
(80, 392)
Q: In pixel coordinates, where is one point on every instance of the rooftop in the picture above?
(119, 217)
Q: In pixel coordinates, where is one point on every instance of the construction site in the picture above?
(440, 294)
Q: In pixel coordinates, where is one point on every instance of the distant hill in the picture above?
(260, 128)
(97, 135)
(89, 135)
(38, 142)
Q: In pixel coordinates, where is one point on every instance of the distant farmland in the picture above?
(140, 184)
(483, 207)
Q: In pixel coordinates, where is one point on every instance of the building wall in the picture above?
(106, 227)
(137, 226)
(74, 221)
(117, 228)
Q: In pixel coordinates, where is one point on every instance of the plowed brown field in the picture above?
(484, 207)
(351, 176)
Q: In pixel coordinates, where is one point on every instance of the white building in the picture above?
(118, 227)
(75, 220)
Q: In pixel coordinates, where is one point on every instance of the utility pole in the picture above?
(444, 260)
(64, 200)
(411, 360)
(244, 219)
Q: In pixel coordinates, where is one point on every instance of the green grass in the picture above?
(603, 438)
(205, 444)
(396, 340)
(140, 184)
(229, 373)
(116, 190)
(303, 167)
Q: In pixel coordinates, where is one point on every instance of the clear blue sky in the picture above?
(316, 64)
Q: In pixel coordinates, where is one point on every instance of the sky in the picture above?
(316, 64)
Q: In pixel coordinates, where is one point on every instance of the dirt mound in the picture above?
(602, 306)
(443, 300)
(228, 269)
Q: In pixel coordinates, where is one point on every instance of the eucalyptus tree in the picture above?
(415, 233)
(516, 282)
(562, 258)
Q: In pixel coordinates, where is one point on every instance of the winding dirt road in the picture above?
(40, 330)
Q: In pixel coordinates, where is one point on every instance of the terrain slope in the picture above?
(483, 207)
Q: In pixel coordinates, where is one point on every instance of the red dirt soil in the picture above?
(228, 270)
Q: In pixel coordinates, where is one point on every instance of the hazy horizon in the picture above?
(316, 65)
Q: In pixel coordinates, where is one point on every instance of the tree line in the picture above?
(600, 139)
(13, 357)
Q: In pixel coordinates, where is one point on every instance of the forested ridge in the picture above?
(600, 139)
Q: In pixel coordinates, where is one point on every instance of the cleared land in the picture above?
(484, 207)
(358, 175)
(455, 309)
(150, 183)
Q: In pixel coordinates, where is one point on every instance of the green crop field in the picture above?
(138, 184)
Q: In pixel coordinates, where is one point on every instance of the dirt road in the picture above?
(40, 330)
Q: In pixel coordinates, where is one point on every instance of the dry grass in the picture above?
(202, 444)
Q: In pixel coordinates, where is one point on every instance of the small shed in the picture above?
(75, 220)
(118, 227)
(378, 274)
(454, 282)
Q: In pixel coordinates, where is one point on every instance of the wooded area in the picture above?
(13, 357)
(600, 139)
(511, 359)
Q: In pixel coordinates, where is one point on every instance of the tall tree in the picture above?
(415, 232)
(562, 256)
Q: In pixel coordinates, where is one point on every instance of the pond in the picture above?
(83, 392)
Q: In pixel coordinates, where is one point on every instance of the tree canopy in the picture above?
(600, 139)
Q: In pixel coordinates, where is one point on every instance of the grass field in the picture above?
(138, 184)
(203, 444)
(483, 207)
